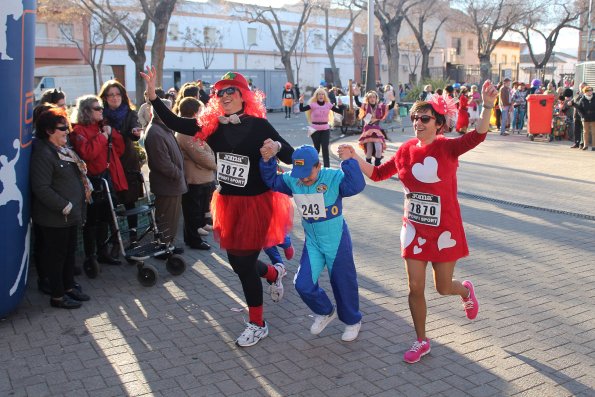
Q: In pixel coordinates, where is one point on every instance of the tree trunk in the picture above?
(158, 51)
(425, 64)
(485, 68)
(336, 75)
(139, 66)
(286, 61)
(94, 70)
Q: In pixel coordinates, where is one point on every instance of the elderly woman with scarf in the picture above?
(61, 192)
(247, 215)
(101, 147)
(119, 113)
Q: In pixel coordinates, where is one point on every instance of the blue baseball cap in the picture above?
(304, 158)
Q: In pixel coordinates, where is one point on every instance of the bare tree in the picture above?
(159, 12)
(211, 40)
(390, 15)
(298, 54)
(285, 40)
(413, 57)
(418, 20)
(553, 18)
(331, 40)
(491, 21)
(100, 33)
(133, 30)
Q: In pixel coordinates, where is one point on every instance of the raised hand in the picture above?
(150, 78)
(302, 98)
(489, 93)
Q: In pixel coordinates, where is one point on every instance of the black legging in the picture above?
(249, 270)
(321, 138)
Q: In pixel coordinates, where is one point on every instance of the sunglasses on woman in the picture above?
(98, 108)
(424, 118)
(228, 91)
(62, 127)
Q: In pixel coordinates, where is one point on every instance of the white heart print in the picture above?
(426, 172)
(444, 241)
(421, 241)
(416, 250)
(407, 234)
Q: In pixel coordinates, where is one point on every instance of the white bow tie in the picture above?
(233, 119)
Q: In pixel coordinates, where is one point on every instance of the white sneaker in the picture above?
(202, 232)
(320, 322)
(207, 227)
(252, 334)
(276, 289)
(351, 332)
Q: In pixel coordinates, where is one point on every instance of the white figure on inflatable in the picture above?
(7, 8)
(8, 177)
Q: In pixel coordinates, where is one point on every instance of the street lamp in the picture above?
(370, 71)
(246, 54)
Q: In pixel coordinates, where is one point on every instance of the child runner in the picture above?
(318, 193)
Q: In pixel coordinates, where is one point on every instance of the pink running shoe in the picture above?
(470, 304)
(289, 251)
(418, 350)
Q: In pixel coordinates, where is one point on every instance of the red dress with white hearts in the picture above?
(432, 224)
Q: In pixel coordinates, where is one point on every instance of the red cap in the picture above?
(232, 79)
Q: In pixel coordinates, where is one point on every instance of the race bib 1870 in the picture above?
(310, 205)
(423, 208)
(233, 169)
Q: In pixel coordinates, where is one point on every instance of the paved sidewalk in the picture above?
(532, 268)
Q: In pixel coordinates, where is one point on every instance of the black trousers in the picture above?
(96, 228)
(58, 247)
(578, 129)
(195, 204)
(321, 139)
(249, 270)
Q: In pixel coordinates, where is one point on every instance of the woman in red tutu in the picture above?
(247, 215)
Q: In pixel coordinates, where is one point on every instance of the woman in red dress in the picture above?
(432, 226)
(463, 119)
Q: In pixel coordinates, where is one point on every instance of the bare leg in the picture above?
(416, 275)
(445, 284)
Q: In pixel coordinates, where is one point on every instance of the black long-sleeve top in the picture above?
(244, 139)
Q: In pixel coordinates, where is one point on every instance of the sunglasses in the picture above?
(113, 95)
(98, 108)
(425, 119)
(228, 91)
(62, 127)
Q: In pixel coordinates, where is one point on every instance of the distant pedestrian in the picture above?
(287, 98)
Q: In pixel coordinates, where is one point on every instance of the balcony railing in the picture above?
(48, 42)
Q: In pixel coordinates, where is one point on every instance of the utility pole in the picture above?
(587, 52)
(371, 70)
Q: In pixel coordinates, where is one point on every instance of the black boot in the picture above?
(369, 161)
(104, 256)
(377, 162)
(91, 266)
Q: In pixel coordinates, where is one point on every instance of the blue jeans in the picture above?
(519, 118)
(504, 118)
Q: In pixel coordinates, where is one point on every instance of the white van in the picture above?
(73, 80)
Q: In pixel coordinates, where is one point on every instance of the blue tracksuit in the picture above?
(328, 242)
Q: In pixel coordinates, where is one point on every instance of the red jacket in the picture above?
(91, 145)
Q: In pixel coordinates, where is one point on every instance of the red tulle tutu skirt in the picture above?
(251, 222)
